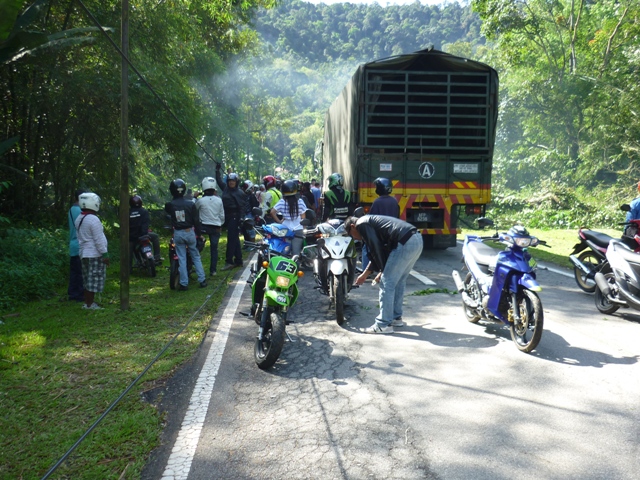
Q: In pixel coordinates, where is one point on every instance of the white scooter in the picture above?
(334, 263)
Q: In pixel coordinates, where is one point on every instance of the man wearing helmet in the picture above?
(139, 226)
(234, 202)
(385, 204)
(75, 291)
(184, 220)
(271, 196)
(337, 200)
(93, 248)
(211, 214)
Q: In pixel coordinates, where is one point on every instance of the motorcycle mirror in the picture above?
(358, 212)
(484, 222)
(305, 222)
(256, 211)
(625, 207)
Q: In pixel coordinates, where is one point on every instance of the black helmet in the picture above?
(233, 177)
(135, 201)
(290, 187)
(383, 186)
(177, 187)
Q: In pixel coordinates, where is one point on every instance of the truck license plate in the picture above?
(423, 217)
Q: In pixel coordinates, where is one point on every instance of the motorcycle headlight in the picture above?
(282, 281)
(279, 231)
(523, 242)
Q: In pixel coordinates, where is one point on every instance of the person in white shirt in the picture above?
(211, 213)
(292, 210)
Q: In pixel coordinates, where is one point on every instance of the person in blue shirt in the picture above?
(75, 291)
(634, 213)
(385, 204)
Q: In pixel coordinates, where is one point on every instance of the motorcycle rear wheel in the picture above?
(339, 287)
(590, 259)
(267, 350)
(527, 333)
(602, 304)
(174, 275)
(471, 287)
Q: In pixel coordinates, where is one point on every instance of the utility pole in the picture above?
(124, 162)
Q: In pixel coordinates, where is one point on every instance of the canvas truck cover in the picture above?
(427, 105)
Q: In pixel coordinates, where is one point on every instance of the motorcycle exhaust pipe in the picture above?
(603, 285)
(580, 265)
(468, 301)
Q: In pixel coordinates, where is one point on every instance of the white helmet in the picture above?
(89, 201)
(209, 183)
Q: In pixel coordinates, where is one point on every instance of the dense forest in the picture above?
(247, 84)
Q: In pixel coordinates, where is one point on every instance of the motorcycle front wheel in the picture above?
(174, 275)
(267, 350)
(602, 304)
(151, 267)
(339, 289)
(526, 333)
(591, 260)
(471, 287)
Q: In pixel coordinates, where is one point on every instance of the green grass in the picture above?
(62, 366)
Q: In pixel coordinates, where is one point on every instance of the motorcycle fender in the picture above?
(275, 297)
(338, 266)
(529, 282)
(579, 247)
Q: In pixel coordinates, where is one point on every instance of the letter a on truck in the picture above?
(427, 121)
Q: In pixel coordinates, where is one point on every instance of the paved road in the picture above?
(440, 399)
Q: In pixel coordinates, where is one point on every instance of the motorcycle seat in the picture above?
(600, 239)
(483, 254)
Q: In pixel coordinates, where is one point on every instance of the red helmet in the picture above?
(269, 181)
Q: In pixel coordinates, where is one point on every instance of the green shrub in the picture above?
(32, 264)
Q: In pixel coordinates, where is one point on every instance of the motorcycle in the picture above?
(174, 261)
(501, 286)
(592, 260)
(334, 264)
(143, 255)
(618, 281)
(274, 291)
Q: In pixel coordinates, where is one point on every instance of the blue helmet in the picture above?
(383, 186)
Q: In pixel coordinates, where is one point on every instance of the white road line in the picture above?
(181, 457)
(422, 278)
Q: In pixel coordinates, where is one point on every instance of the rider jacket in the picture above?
(138, 223)
(382, 234)
(184, 214)
(337, 204)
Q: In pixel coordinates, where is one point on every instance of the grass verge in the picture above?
(62, 366)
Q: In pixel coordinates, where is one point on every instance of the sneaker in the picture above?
(183, 288)
(376, 329)
(93, 306)
(203, 284)
(228, 266)
(212, 274)
(398, 322)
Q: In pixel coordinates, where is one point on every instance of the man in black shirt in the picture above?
(184, 220)
(394, 247)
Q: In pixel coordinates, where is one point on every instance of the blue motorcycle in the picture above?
(501, 286)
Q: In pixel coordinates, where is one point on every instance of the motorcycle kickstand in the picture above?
(289, 339)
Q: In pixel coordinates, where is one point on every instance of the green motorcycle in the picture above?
(273, 292)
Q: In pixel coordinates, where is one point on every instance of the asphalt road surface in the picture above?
(440, 399)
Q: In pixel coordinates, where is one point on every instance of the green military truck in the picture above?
(427, 121)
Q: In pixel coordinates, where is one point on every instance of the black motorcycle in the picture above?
(143, 255)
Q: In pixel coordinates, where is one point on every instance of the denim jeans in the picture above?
(394, 278)
(214, 240)
(187, 239)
